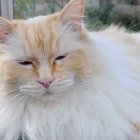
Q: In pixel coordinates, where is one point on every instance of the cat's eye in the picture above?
(60, 57)
(25, 63)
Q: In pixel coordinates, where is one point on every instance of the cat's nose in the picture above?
(46, 83)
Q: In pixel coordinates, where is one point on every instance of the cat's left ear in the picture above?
(5, 29)
(72, 14)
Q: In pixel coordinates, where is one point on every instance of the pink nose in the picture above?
(46, 83)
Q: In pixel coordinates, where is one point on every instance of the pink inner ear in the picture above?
(72, 14)
(3, 34)
(73, 26)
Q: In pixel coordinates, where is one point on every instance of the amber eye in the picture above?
(25, 63)
(60, 57)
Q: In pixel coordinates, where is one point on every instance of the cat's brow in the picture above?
(29, 58)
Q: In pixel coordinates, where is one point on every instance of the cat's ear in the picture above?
(72, 14)
(5, 29)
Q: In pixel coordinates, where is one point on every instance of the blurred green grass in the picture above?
(97, 18)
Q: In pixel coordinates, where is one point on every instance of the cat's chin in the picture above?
(51, 96)
(47, 93)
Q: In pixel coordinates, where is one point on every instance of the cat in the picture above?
(58, 81)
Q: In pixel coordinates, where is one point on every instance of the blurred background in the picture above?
(98, 13)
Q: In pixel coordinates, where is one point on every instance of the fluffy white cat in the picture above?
(61, 82)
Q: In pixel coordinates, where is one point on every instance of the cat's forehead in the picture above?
(37, 35)
(41, 37)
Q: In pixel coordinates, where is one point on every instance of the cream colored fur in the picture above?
(96, 91)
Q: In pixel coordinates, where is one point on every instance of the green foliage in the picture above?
(130, 22)
(97, 18)
(30, 8)
(125, 1)
(23, 8)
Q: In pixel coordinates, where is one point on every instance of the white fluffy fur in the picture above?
(103, 109)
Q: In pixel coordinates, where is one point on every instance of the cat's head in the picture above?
(44, 55)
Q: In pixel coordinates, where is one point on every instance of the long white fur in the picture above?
(103, 109)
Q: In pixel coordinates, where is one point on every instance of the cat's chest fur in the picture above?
(81, 118)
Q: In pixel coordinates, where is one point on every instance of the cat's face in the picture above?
(44, 56)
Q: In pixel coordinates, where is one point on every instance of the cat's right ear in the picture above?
(72, 14)
(5, 29)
